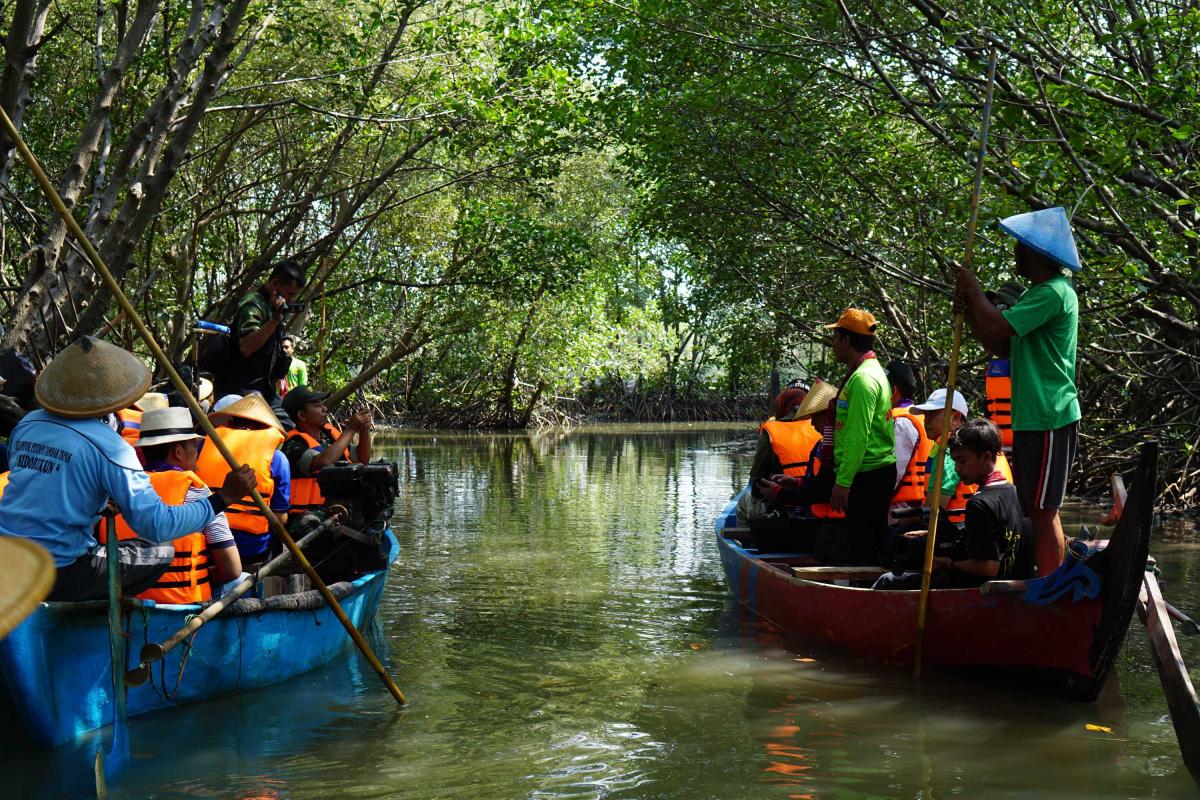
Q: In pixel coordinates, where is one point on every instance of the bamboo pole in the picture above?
(185, 390)
(952, 378)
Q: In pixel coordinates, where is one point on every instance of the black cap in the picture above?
(299, 397)
(902, 378)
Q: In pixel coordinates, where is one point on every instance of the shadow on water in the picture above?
(559, 621)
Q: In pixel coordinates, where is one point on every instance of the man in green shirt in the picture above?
(864, 442)
(1038, 335)
(256, 361)
(298, 371)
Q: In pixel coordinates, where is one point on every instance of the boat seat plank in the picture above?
(835, 573)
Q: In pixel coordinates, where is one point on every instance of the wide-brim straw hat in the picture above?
(26, 577)
(252, 407)
(818, 399)
(166, 425)
(205, 390)
(90, 378)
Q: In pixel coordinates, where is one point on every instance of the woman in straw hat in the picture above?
(67, 464)
(252, 431)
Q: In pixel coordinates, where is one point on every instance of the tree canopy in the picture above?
(509, 210)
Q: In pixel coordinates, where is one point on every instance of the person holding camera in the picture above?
(256, 360)
(317, 443)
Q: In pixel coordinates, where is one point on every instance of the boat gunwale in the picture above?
(82, 607)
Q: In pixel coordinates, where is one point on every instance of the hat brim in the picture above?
(316, 397)
(816, 401)
(167, 438)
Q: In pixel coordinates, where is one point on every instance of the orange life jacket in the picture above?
(913, 483)
(825, 511)
(253, 447)
(3, 482)
(306, 494)
(797, 445)
(187, 579)
(131, 424)
(956, 511)
(998, 406)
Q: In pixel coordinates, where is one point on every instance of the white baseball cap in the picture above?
(937, 402)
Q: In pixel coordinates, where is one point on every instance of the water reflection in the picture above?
(560, 624)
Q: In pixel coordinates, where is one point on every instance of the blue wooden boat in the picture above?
(56, 662)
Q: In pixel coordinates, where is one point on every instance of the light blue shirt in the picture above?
(63, 472)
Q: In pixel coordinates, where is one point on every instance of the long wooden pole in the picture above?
(185, 390)
(952, 378)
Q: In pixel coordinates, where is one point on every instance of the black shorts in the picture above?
(1042, 461)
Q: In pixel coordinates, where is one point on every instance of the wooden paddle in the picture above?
(952, 379)
(131, 313)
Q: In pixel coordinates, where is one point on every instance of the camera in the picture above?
(294, 308)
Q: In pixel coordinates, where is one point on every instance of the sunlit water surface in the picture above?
(559, 622)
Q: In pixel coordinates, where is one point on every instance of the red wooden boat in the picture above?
(1069, 642)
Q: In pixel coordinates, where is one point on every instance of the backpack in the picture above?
(216, 348)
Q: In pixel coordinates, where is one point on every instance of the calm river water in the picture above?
(559, 622)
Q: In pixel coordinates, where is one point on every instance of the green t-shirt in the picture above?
(949, 476)
(864, 438)
(297, 373)
(1042, 356)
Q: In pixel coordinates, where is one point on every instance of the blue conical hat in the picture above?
(1048, 232)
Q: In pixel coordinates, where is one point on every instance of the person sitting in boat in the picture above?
(205, 557)
(995, 542)
(810, 486)
(912, 442)
(316, 443)
(67, 463)
(784, 447)
(253, 433)
(955, 491)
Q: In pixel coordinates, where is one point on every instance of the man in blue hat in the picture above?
(1038, 335)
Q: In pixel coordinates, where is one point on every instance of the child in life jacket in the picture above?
(995, 540)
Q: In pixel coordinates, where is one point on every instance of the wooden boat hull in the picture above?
(1067, 643)
(56, 663)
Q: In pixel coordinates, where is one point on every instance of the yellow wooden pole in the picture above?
(952, 378)
(185, 390)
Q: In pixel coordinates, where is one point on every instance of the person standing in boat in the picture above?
(252, 431)
(1038, 335)
(998, 378)
(316, 443)
(912, 443)
(206, 557)
(994, 542)
(67, 463)
(863, 446)
(256, 360)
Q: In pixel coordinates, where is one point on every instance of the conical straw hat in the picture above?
(90, 378)
(817, 400)
(26, 577)
(251, 407)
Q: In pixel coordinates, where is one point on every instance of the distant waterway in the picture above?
(559, 621)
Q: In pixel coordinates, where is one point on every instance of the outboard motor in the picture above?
(367, 492)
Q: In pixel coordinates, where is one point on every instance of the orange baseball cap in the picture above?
(857, 321)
